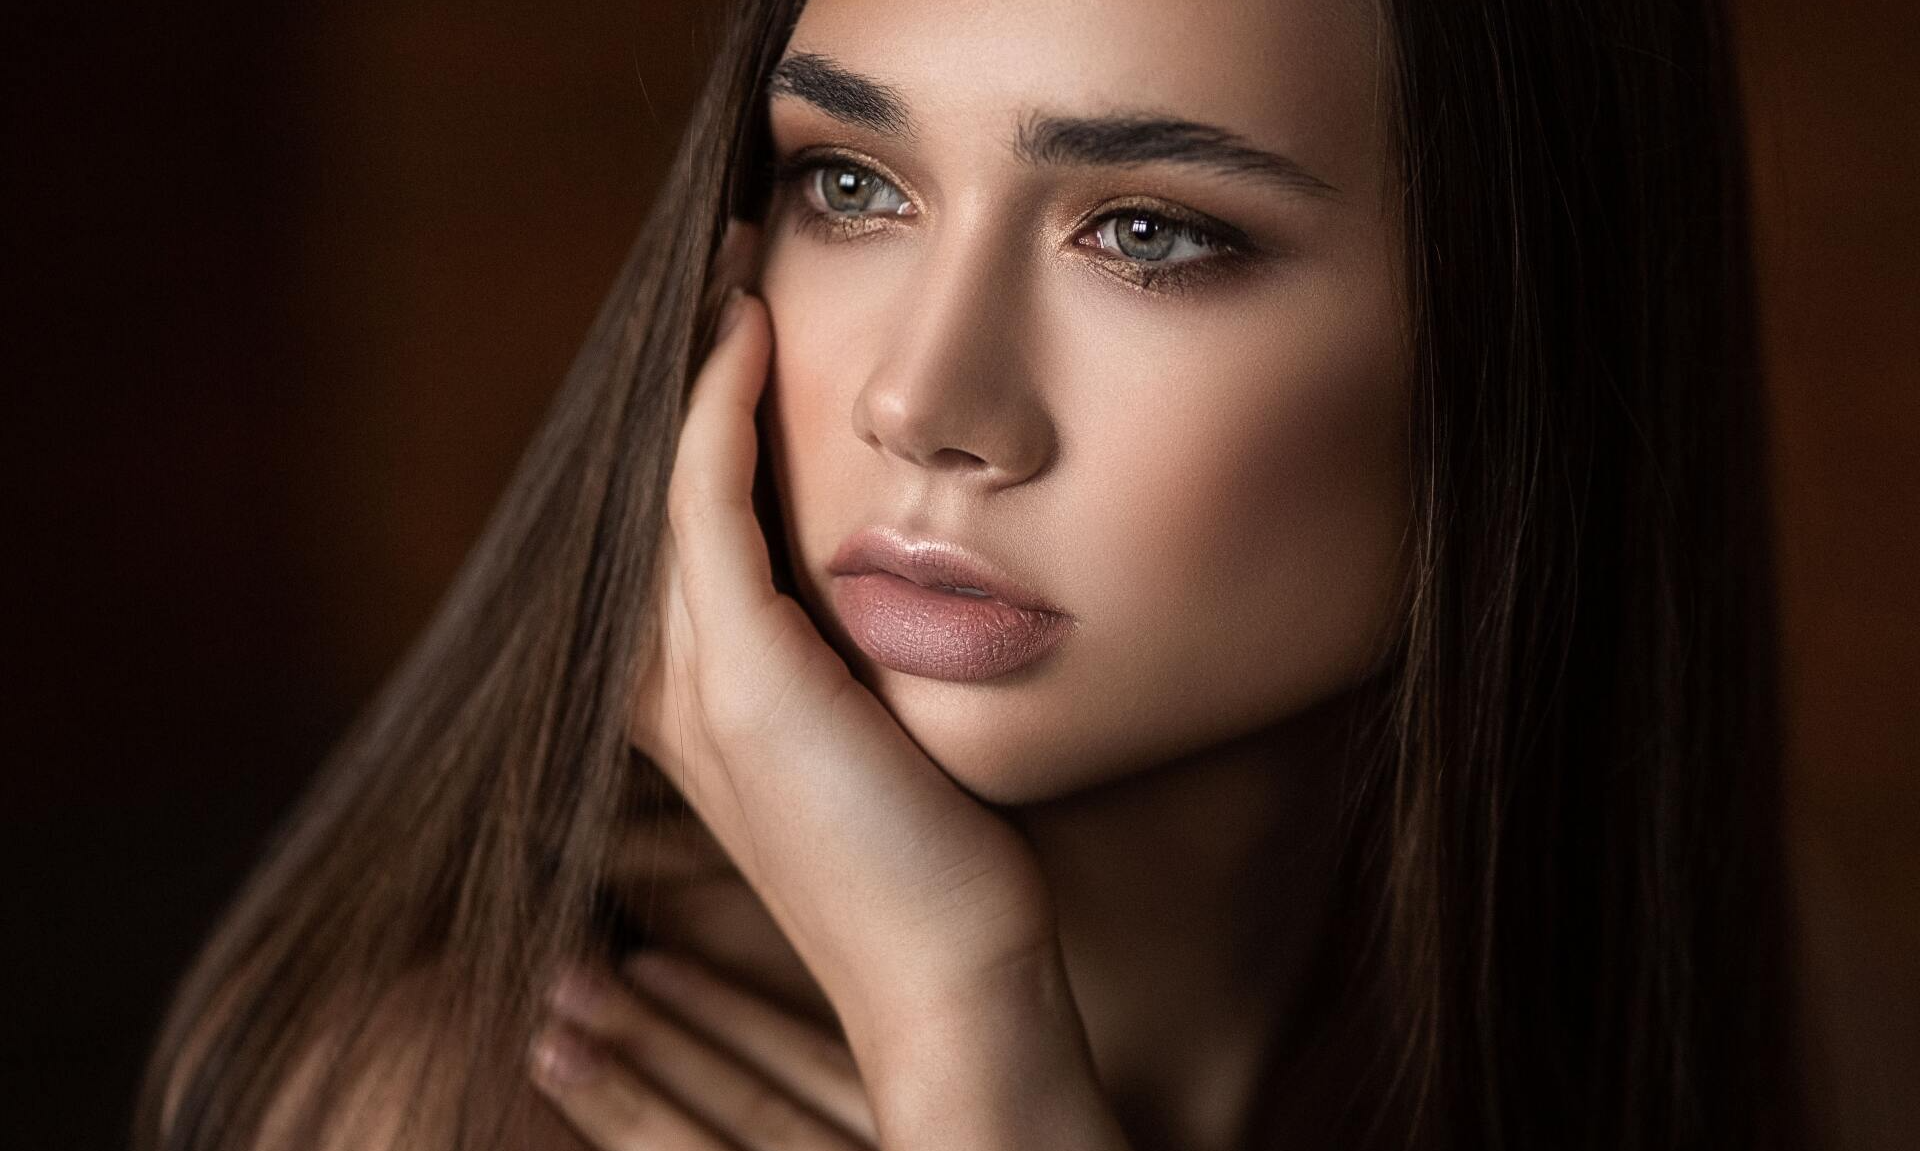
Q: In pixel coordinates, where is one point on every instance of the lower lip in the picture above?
(938, 634)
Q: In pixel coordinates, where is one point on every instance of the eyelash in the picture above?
(1226, 245)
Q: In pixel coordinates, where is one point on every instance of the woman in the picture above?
(1252, 628)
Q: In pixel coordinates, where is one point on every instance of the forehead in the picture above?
(1305, 77)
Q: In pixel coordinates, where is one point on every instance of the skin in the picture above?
(1240, 442)
(1064, 907)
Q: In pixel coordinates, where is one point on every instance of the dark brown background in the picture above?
(285, 295)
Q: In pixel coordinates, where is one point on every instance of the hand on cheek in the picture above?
(880, 870)
(922, 914)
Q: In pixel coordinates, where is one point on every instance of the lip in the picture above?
(894, 594)
(931, 563)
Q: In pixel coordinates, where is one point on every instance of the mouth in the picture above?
(935, 565)
(931, 608)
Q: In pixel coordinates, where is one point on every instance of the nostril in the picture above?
(957, 458)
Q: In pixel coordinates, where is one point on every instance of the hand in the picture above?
(693, 1063)
(896, 888)
(921, 913)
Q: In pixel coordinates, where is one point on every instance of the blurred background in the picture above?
(286, 292)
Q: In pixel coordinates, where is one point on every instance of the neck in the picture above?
(1192, 899)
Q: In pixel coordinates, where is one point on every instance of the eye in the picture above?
(853, 191)
(839, 188)
(1159, 247)
(1154, 239)
(1163, 249)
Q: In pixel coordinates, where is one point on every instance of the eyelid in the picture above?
(1222, 236)
(808, 160)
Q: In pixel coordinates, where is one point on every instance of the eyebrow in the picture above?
(844, 95)
(1113, 139)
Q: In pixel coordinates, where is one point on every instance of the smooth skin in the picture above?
(692, 1061)
(923, 914)
(1065, 910)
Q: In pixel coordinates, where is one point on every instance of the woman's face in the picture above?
(1105, 295)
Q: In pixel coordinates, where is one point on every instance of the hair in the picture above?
(1570, 854)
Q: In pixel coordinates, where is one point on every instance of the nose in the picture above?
(954, 391)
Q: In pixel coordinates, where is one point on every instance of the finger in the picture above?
(709, 498)
(810, 1062)
(736, 260)
(610, 1106)
(658, 697)
(735, 264)
(712, 1083)
(737, 618)
(729, 925)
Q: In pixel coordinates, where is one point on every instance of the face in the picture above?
(1107, 305)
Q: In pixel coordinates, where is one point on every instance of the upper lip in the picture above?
(930, 563)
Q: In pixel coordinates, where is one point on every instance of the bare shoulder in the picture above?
(381, 1109)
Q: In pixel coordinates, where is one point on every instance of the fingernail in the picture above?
(731, 312)
(563, 1059)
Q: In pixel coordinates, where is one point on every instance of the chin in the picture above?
(1029, 740)
(1013, 743)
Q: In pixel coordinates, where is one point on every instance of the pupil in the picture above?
(848, 190)
(1144, 238)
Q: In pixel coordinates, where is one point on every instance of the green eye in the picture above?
(1162, 249)
(849, 190)
(1152, 239)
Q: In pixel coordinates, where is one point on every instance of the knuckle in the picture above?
(737, 708)
(684, 506)
(743, 718)
(690, 493)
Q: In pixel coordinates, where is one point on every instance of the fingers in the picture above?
(611, 1108)
(808, 1062)
(736, 262)
(627, 1073)
(709, 498)
(661, 705)
(761, 662)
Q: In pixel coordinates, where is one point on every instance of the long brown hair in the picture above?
(1571, 839)
(1587, 896)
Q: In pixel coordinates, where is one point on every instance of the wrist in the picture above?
(999, 1064)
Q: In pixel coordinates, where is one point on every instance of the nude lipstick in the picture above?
(931, 608)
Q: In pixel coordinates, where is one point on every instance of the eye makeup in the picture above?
(1104, 234)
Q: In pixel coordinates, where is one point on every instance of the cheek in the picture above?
(1225, 517)
(1259, 497)
(820, 340)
